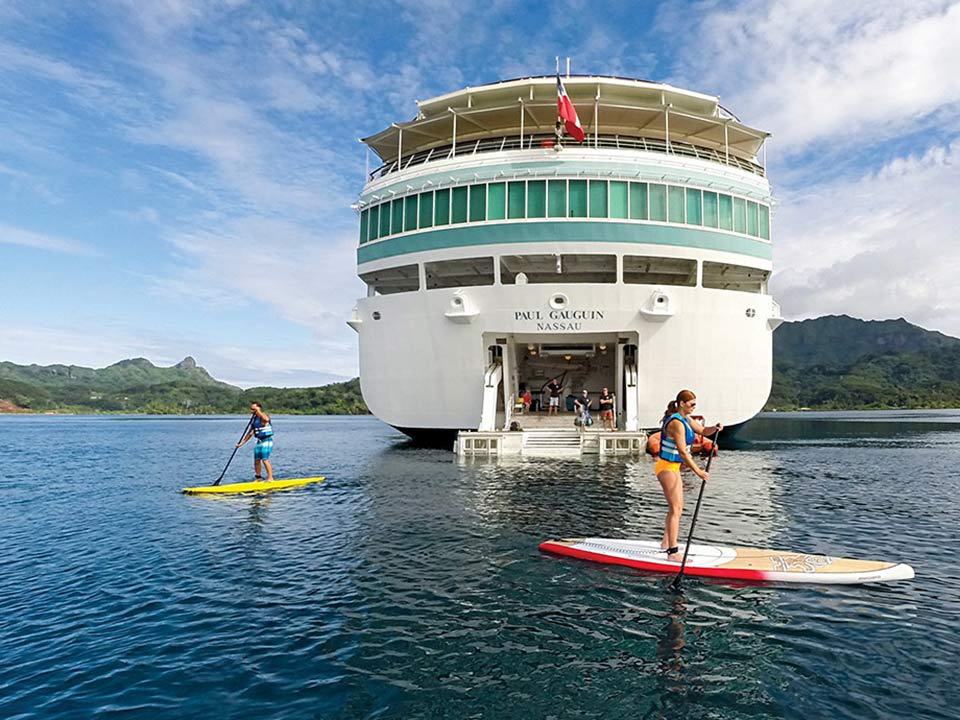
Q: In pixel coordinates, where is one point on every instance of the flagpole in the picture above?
(558, 130)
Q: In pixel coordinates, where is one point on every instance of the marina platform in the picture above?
(542, 435)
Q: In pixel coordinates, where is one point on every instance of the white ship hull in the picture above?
(421, 370)
(671, 240)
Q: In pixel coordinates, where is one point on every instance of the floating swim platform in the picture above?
(251, 487)
(733, 562)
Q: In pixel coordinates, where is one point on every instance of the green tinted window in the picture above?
(753, 222)
(598, 198)
(496, 201)
(442, 211)
(516, 199)
(618, 199)
(739, 215)
(426, 209)
(384, 219)
(536, 199)
(694, 214)
(764, 222)
(578, 198)
(725, 203)
(410, 213)
(658, 202)
(557, 196)
(638, 201)
(674, 204)
(396, 216)
(710, 209)
(374, 222)
(458, 211)
(478, 203)
(364, 224)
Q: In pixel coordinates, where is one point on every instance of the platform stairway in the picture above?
(552, 442)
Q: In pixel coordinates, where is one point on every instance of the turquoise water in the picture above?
(408, 585)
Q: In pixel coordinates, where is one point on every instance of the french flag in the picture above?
(568, 113)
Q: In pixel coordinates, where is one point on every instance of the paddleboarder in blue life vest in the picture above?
(261, 429)
(677, 430)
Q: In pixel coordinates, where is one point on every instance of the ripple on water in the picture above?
(408, 585)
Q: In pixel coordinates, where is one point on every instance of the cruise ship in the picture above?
(499, 254)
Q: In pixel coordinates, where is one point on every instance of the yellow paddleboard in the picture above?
(251, 487)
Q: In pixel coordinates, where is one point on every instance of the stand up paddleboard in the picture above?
(251, 487)
(733, 563)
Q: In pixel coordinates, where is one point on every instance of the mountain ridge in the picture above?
(136, 385)
(837, 362)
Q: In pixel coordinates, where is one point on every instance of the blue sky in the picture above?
(175, 177)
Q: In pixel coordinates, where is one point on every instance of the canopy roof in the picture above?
(605, 105)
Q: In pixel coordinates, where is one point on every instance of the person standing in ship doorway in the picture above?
(261, 429)
(677, 431)
(583, 408)
(606, 410)
(555, 389)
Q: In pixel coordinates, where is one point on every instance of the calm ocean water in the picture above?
(408, 585)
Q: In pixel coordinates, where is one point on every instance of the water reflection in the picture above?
(673, 635)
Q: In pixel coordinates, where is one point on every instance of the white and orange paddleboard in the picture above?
(732, 562)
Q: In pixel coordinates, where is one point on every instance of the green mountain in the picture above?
(138, 386)
(838, 362)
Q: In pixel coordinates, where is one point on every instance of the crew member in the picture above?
(555, 388)
(606, 410)
(261, 429)
(677, 431)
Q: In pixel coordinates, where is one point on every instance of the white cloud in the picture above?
(302, 277)
(12, 235)
(879, 246)
(811, 70)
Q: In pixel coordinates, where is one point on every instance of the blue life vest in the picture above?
(668, 448)
(261, 430)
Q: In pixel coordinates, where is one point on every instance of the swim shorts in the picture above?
(665, 465)
(263, 449)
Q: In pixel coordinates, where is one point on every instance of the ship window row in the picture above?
(537, 199)
(565, 268)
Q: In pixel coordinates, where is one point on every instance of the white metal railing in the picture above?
(632, 421)
(536, 142)
(491, 384)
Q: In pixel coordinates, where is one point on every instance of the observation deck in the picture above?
(615, 112)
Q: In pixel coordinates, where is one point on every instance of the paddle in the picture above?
(703, 483)
(235, 448)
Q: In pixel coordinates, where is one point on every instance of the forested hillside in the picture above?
(138, 386)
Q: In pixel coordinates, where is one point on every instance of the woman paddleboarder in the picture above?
(261, 429)
(677, 430)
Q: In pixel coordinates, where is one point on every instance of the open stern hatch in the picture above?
(733, 563)
(519, 363)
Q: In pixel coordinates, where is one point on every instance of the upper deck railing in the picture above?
(538, 142)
